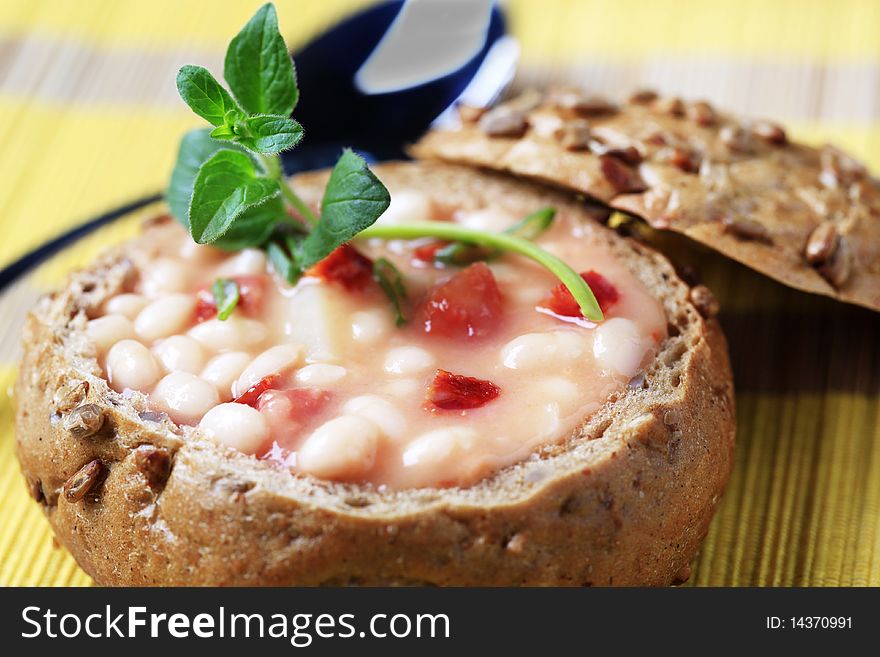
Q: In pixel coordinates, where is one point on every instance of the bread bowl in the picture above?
(138, 499)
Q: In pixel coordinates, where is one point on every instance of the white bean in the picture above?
(528, 351)
(131, 365)
(536, 350)
(223, 370)
(248, 262)
(314, 313)
(320, 374)
(370, 326)
(380, 412)
(401, 388)
(571, 344)
(180, 353)
(234, 333)
(408, 360)
(164, 276)
(547, 419)
(508, 274)
(439, 448)
(126, 304)
(274, 360)
(198, 253)
(185, 397)
(406, 206)
(617, 346)
(108, 330)
(558, 389)
(487, 219)
(525, 294)
(166, 316)
(236, 425)
(344, 447)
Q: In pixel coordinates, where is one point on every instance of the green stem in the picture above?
(506, 242)
(272, 166)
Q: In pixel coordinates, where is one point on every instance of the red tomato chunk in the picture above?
(426, 252)
(206, 307)
(560, 301)
(468, 305)
(455, 392)
(251, 396)
(251, 291)
(301, 403)
(346, 266)
(291, 414)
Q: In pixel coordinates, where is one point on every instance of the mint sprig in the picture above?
(228, 187)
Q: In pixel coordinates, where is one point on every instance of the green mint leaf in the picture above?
(282, 262)
(390, 280)
(268, 134)
(223, 133)
(205, 96)
(252, 228)
(226, 295)
(227, 185)
(258, 67)
(353, 199)
(195, 148)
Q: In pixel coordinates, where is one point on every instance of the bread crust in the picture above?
(739, 187)
(626, 501)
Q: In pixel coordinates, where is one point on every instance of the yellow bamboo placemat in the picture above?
(90, 119)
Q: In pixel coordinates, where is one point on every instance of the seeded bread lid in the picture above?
(807, 217)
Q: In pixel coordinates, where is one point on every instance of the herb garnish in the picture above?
(228, 188)
(460, 253)
(390, 280)
(226, 296)
(446, 230)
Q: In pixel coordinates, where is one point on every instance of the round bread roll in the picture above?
(139, 501)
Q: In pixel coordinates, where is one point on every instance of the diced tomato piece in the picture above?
(426, 252)
(468, 305)
(455, 392)
(206, 306)
(252, 395)
(561, 302)
(346, 266)
(291, 414)
(303, 402)
(252, 295)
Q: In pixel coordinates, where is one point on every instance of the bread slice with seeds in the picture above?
(807, 217)
(138, 500)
